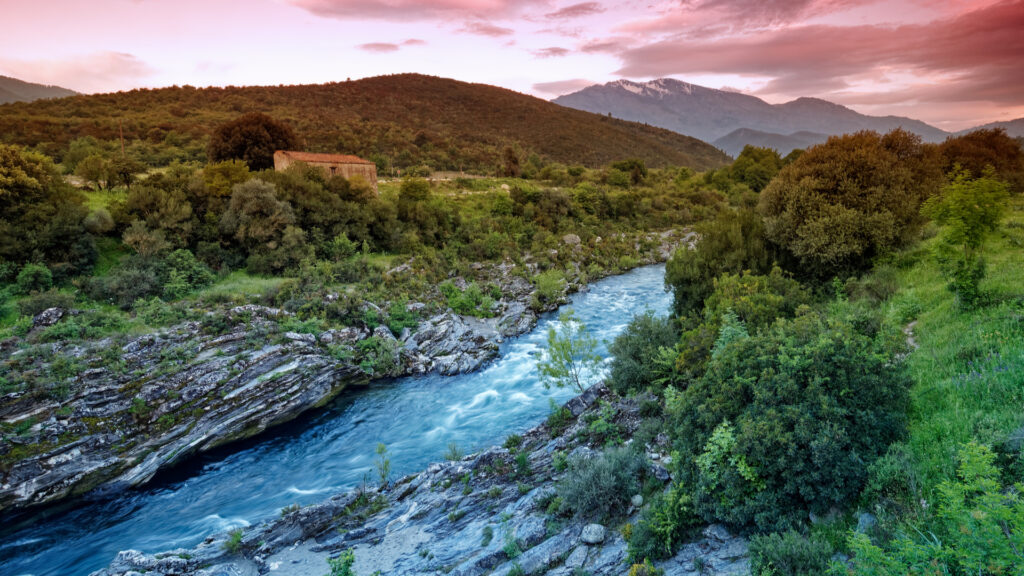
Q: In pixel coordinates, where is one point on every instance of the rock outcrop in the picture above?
(483, 514)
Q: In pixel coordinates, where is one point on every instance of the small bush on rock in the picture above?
(602, 485)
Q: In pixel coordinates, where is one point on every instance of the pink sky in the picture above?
(955, 64)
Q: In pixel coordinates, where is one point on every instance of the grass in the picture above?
(969, 369)
(95, 199)
(111, 251)
(240, 282)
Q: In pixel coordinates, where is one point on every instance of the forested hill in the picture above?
(14, 90)
(400, 120)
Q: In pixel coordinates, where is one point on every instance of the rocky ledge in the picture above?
(134, 406)
(488, 513)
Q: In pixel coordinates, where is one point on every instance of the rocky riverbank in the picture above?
(487, 513)
(133, 406)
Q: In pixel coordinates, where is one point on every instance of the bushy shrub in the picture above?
(975, 528)
(469, 302)
(550, 287)
(185, 274)
(124, 285)
(40, 301)
(731, 243)
(787, 422)
(33, 278)
(789, 554)
(638, 351)
(665, 523)
(601, 486)
(843, 203)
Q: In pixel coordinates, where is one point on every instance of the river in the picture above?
(325, 451)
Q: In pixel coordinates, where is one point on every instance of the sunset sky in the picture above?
(954, 63)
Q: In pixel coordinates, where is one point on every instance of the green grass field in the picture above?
(969, 368)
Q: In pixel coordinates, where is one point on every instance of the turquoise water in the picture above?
(323, 452)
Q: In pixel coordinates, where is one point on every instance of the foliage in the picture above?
(789, 554)
(550, 287)
(234, 542)
(756, 167)
(40, 215)
(977, 528)
(469, 302)
(34, 278)
(731, 243)
(637, 351)
(383, 464)
(40, 301)
(842, 203)
(665, 523)
(571, 358)
(342, 565)
(784, 422)
(970, 210)
(979, 150)
(601, 486)
(252, 138)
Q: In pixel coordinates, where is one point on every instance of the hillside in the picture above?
(1014, 128)
(14, 90)
(400, 120)
(733, 142)
(710, 114)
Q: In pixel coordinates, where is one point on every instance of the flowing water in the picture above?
(323, 452)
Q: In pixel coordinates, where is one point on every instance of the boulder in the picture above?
(48, 317)
(592, 534)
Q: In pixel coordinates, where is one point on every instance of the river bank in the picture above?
(493, 512)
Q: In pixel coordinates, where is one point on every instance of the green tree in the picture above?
(970, 210)
(94, 169)
(756, 166)
(842, 203)
(252, 138)
(571, 354)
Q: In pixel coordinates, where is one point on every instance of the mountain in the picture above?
(398, 120)
(14, 90)
(711, 114)
(1014, 128)
(733, 142)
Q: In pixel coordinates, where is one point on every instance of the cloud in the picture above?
(576, 11)
(378, 47)
(97, 72)
(975, 55)
(551, 52)
(707, 17)
(415, 10)
(414, 42)
(486, 29)
(559, 87)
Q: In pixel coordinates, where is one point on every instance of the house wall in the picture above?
(367, 172)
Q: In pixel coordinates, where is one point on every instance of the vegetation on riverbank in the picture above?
(832, 382)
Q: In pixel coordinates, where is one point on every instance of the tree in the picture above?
(94, 169)
(756, 166)
(255, 216)
(123, 170)
(40, 215)
(970, 210)
(844, 202)
(571, 356)
(252, 138)
(980, 149)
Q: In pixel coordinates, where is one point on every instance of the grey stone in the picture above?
(577, 558)
(637, 500)
(866, 521)
(592, 534)
(48, 317)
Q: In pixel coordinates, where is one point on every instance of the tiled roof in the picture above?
(317, 157)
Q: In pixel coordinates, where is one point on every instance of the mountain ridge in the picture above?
(15, 90)
(711, 114)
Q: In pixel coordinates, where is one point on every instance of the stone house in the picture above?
(334, 164)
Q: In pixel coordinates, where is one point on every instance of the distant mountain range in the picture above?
(730, 120)
(1014, 128)
(14, 90)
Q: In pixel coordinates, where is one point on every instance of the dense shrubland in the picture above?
(792, 389)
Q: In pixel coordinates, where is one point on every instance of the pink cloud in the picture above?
(486, 29)
(576, 11)
(415, 42)
(98, 72)
(413, 10)
(551, 52)
(974, 55)
(559, 87)
(378, 47)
